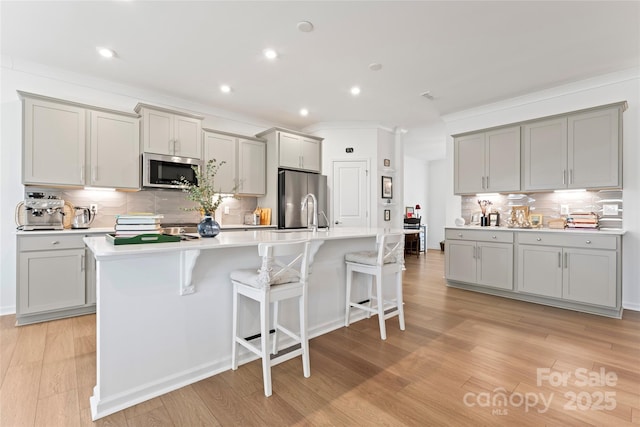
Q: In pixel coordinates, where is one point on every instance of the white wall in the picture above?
(436, 207)
(584, 94)
(416, 185)
(73, 87)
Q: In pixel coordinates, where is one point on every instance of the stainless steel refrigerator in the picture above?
(292, 187)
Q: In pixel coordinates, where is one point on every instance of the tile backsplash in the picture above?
(606, 203)
(170, 203)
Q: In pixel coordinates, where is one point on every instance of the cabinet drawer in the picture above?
(49, 242)
(588, 241)
(479, 235)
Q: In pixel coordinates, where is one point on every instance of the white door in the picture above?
(350, 194)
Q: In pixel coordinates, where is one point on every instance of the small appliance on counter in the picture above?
(43, 212)
(82, 217)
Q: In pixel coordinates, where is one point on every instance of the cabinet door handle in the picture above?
(483, 182)
(565, 260)
(559, 260)
(588, 242)
(570, 176)
(459, 234)
(55, 242)
(538, 239)
(487, 182)
(479, 252)
(82, 174)
(81, 262)
(474, 252)
(494, 237)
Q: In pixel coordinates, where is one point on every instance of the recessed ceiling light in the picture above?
(355, 91)
(375, 66)
(304, 112)
(106, 52)
(305, 26)
(270, 54)
(225, 88)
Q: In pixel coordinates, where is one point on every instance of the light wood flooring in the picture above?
(464, 359)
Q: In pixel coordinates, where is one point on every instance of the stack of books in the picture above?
(583, 221)
(133, 224)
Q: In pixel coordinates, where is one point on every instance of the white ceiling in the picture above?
(466, 53)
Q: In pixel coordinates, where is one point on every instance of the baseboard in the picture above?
(631, 306)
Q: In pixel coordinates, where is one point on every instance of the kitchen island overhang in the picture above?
(164, 311)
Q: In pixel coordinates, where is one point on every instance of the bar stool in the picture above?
(388, 259)
(283, 275)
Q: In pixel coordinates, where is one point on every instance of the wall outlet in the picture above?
(94, 208)
(564, 209)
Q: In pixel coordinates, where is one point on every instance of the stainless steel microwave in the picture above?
(160, 171)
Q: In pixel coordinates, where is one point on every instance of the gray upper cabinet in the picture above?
(296, 151)
(114, 151)
(545, 155)
(580, 150)
(222, 148)
(169, 132)
(53, 143)
(70, 144)
(245, 169)
(488, 161)
(594, 147)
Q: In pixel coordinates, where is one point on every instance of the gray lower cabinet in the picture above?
(480, 258)
(56, 277)
(579, 268)
(576, 270)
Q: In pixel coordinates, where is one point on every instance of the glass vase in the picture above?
(208, 227)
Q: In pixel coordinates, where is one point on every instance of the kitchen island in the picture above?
(164, 310)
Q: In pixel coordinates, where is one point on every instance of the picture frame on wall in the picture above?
(408, 212)
(387, 187)
(387, 215)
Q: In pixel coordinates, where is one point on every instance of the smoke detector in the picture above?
(305, 26)
(427, 95)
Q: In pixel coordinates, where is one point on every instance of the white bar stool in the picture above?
(283, 275)
(388, 259)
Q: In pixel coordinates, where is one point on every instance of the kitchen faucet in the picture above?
(314, 218)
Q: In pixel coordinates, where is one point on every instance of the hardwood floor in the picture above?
(464, 359)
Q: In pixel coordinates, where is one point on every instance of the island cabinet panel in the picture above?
(53, 143)
(488, 161)
(570, 269)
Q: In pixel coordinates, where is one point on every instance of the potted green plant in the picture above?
(204, 194)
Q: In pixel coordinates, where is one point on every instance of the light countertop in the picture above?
(103, 249)
(611, 231)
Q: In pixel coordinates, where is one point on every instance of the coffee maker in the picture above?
(43, 212)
